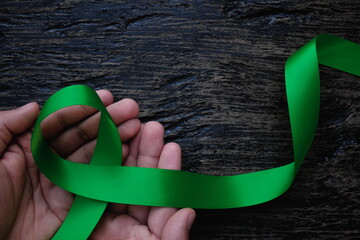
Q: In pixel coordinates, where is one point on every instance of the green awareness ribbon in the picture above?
(105, 180)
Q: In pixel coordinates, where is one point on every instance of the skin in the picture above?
(33, 208)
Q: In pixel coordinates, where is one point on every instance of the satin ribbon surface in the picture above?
(105, 180)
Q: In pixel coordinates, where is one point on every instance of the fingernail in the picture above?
(26, 105)
(190, 220)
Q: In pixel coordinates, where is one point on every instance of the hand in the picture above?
(147, 149)
(33, 208)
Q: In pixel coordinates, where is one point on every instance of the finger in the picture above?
(16, 121)
(150, 147)
(170, 158)
(60, 120)
(179, 225)
(87, 130)
(127, 130)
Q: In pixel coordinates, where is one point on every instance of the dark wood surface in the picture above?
(212, 73)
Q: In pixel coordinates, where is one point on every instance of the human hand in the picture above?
(147, 149)
(33, 208)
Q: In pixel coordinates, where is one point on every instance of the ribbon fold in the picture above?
(105, 180)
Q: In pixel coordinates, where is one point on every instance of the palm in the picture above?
(30, 204)
(35, 208)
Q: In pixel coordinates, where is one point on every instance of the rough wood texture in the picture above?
(212, 73)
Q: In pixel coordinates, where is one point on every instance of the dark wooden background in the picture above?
(212, 73)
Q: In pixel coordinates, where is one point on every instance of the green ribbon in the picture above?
(105, 180)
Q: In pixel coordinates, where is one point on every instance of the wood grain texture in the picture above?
(212, 73)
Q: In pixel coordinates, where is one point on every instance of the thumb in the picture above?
(16, 121)
(179, 225)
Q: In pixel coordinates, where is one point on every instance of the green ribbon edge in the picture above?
(105, 180)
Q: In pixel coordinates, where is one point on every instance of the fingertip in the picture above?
(154, 127)
(33, 110)
(151, 144)
(133, 105)
(25, 115)
(179, 225)
(153, 132)
(123, 110)
(170, 157)
(187, 216)
(31, 107)
(106, 96)
(19, 120)
(35, 107)
(173, 147)
(191, 216)
(129, 129)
